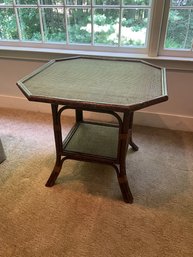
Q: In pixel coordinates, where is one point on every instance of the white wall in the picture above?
(176, 113)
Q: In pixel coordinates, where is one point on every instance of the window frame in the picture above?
(154, 48)
(73, 46)
(170, 52)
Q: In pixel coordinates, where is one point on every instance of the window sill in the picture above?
(45, 54)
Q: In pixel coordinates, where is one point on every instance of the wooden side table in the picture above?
(112, 86)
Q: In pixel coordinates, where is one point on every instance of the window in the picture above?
(180, 25)
(110, 23)
(152, 27)
(178, 36)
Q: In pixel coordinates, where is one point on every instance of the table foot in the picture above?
(125, 190)
(133, 145)
(55, 173)
(2, 153)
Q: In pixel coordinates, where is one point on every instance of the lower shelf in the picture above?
(92, 139)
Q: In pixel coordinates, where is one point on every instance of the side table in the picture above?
(110, 86)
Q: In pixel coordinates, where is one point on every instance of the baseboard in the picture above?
(21, 103)
(145, 118)
(164, 120)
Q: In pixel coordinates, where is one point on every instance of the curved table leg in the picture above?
(124, 186)
(131, 143)
(126, 139)
(123, 182)
(58, 144)
(2, 153)
(55, 172)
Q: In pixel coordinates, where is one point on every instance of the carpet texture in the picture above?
(83, 214)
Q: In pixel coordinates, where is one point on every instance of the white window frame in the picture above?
(154, 48)
(170, 52)
(73, 47)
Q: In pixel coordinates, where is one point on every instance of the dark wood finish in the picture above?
(135, 86)
(2, 153)
(132, 144)
(117, 162)
(79, 115)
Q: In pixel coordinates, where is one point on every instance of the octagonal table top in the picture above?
(114, 84)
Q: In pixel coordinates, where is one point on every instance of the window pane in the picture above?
(136, 2)
(181, 3)
(54, 24)
(78, 2)
(107, 2)
(52, 2)
(180, 29)
(134, 27)
(106, 26)
(26, 2)
(30, 24)
(3, 2)
(8, 26)
(79, 25)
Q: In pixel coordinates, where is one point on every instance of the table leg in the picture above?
(131, 143)
(55, 172)
(2, 153)
(79, 115)
(122, 176)
(58, 145)
(125, 190)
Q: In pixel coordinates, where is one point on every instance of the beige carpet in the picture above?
(83, 215)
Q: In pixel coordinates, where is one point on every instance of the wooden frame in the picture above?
(118, 162)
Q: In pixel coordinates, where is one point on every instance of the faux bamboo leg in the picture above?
(58, 145)
(79, 115)
(122, 176)
(55, 172)
(131, 143)
(124, 186)
(2, 153)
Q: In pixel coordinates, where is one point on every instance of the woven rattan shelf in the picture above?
(94, 140)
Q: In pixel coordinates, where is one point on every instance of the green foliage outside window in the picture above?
(57, 22)
(105, 22)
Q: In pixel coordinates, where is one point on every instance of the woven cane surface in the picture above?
(95, 139)
(98, 81)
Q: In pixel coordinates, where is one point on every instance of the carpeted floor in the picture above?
(83, 215)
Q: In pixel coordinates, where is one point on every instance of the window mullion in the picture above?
(156, 26)
(164, 26)
(17, 21)
(120, 21)
(92, 22)
(41, 21)
(66, 23)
